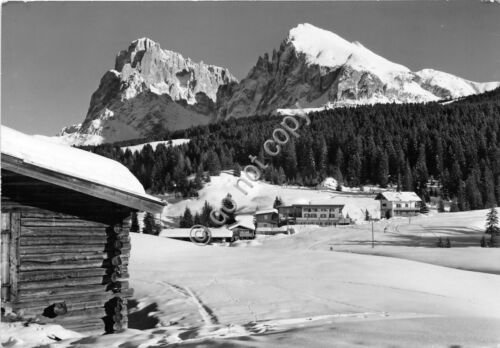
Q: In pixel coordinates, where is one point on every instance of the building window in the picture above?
(384, 204)
(398, 205)
(322, 216)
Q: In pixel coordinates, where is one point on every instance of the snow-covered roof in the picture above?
(248, 225)
(272, 229)
(404, 196)
(37, 152)
(266, 211)
(319, 202)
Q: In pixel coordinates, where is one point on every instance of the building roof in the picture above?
(405, 196)
(312, 204)
(248, 225)
(74, 169)
(266, 211)
(319, 203)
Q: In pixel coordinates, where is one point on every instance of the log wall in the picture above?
(76, 253)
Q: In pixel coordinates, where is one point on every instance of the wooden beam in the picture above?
(60, 274)
(51, 231)
(15, 230)
(54, 222)
(52, 240)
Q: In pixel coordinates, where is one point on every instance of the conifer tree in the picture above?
(483, 242)
(473, 195)
(228, 204)
(134, 223)
(277, 202)
(149, 224)
(322, 160)
(382, 169)
(213, 163)
(423, 207)
(289, 156)
(488, 187)
(454, 206)
(205, 215)
(237, 170)
(441, 205)
(197, 219)
(187, 219)
(407, 178)
(492, 222)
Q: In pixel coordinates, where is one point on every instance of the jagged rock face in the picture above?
(319, 69)
(149, 90)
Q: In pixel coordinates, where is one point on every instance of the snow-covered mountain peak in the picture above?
(149, 90)
(328, 49)
(320, 46)
(319, 69)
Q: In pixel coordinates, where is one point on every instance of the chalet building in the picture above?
(65, 244)
(398, 204)
(242, 230)
(319, 213)
(266, 218)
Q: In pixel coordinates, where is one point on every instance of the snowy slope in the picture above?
(262, 196)
(154, 144)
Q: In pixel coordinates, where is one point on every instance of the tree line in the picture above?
(406, 145)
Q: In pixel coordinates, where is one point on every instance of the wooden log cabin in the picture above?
(65, 241)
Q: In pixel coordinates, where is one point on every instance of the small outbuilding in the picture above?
(65, 243)
(243, 230)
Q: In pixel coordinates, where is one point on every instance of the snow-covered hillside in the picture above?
(262, 196)
(319, 69)
(154, 144)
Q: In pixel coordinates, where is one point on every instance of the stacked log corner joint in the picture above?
(115, 308)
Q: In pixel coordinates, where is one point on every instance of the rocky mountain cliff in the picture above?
(150, 89)
(318, 69)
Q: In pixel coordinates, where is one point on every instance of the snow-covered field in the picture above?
(293, 291)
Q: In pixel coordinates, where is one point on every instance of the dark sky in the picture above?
(54, 53)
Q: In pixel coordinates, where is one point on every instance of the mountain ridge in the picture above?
(152, 89)
(319, 69)
(149, 90)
